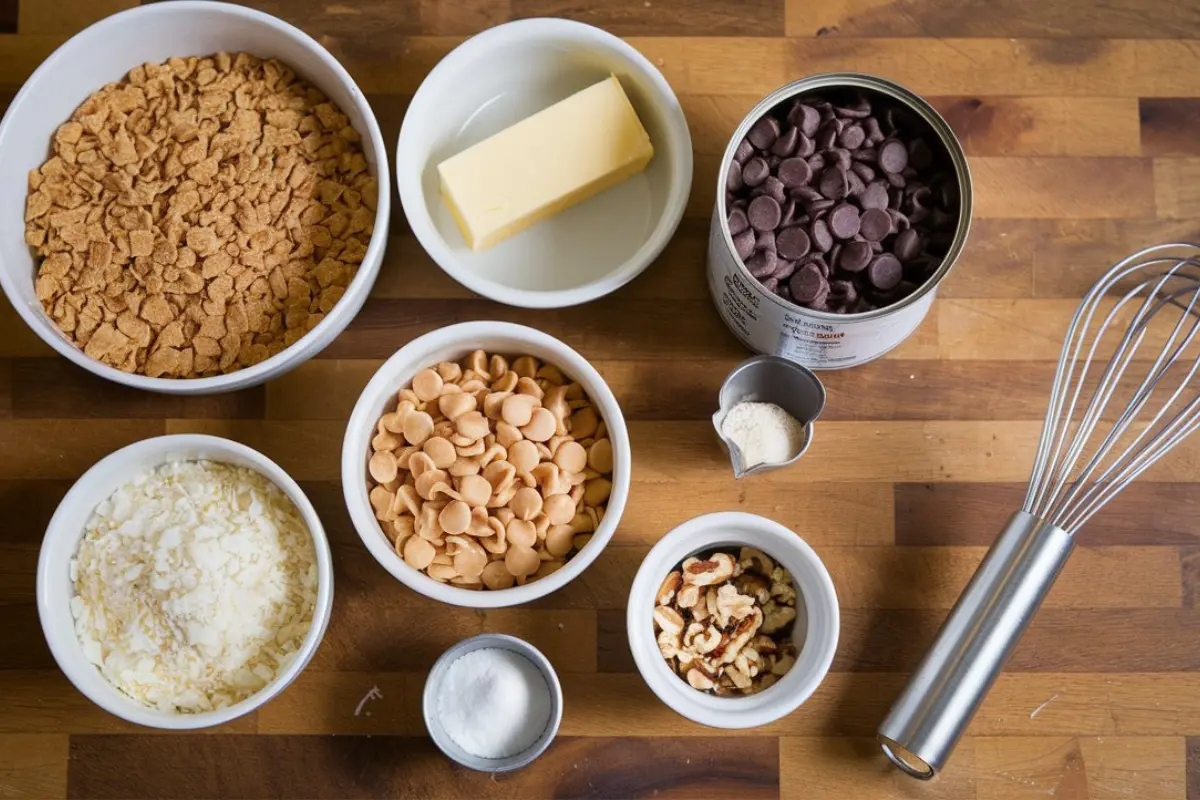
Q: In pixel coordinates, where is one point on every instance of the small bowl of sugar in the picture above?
(767, 409)
(493, 703)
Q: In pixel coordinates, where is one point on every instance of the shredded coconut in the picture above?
(763, 432)
(195, 585)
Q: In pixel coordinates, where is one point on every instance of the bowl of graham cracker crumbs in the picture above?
(204, 198)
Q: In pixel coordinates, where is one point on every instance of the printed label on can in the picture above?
(766, 324)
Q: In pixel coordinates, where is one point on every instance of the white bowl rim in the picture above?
(362, 282)
(789, 693)
(420, 221)
(68, 654)
(358, 437)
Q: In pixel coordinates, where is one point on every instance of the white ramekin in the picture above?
(450, 344)
(815, 633)
(501, 76)
(55, 588)
(107, 51)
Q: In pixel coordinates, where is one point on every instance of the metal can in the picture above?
(770, 324)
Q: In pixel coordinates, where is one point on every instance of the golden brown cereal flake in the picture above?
(199, 216)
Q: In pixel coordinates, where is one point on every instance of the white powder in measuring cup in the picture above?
(494, 703)
(763, 432)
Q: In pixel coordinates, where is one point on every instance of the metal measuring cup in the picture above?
(770, 379)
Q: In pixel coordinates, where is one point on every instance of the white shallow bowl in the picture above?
(815, 633)
(500, 77)
(105, 52)
(55, 588)
(451, 344)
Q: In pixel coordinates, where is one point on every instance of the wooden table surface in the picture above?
(1081, 123)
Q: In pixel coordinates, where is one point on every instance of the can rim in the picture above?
(915, 103)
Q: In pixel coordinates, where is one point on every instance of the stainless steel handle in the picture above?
(984, 626)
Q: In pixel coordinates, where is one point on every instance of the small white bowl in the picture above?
(500, 77)
(107, 51)
(55, 588)
(815, 633)
(451, 344)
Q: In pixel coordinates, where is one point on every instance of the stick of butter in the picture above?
(544, 164)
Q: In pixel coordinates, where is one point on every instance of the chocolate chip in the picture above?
(852, 137)
(865, 154)
(826, 136)
(764, 262)
(885, 272)
(919, 154)
(854, 256)
(907, 245)
(917, 214)
(743, 244)
(773, 187)
(816, 162)
(874, 196)
(764, 213)
(874, 134)
(876, 247)
(785, 145)
(947, 194)
(833, 183)
(805, 147)
(859, 109)
(844, 221)
(863, 171)
(737, 221)
(742, 203)
(893, 156)
(797, 219)
(744, 151)
(808, 284)
(794, 172)
(806, 118)
(895, 197)
(784, 270)
(822, 239)
(773, 160)
(765, 241)
(818, 208)
(789, 211)
(841, 157)
(842, 292)
(819, 261)
(875, 224)
(942, 220)
(733, 180)
(895, 179)
(806, 194)
(770, 284)
(855, 184)
(763, 133)
(755, 171)
(899, 221)
(793, 243)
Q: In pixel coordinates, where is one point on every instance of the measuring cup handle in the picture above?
(973, 644)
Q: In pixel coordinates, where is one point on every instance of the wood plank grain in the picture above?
(45, 451)
(973, 514)
(36, 500)
(33, 766)
(43, 701)
(16, 338)
(1059, 640)
(1043, 126)
(934, 577)
(829, 768)
(1176, 192)
(598, 329)
(755, 18)
(348, 21)
(6, 388)
(18, 572)
(387, 766)
(1165, 122)
(1111, 768)
(1048, 188)
(1003, 330)
(64, 16)
(55, 388)
(1193, 768)
(19, 623)
(941, 18)
(1190, 562)
(998, 260)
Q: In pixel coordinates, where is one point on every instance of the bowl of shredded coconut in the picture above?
(184, 581)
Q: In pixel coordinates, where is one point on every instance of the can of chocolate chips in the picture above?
(836, 221)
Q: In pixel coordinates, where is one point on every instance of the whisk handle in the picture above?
(973, 644)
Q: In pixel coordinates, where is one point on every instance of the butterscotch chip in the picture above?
(199, 216)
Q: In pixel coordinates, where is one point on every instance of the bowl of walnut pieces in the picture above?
(486, 464)
(198, 199)
(732, 620)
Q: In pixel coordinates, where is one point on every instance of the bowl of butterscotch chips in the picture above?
(200, 198)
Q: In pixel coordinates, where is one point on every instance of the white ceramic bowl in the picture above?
(815, 632)
(106, 52)
(450, 344)
(501, 76)
(55, 589)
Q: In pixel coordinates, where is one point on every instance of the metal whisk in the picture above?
(1108, 422)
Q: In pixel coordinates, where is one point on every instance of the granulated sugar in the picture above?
(763, 432)
(494, 703)
(195, 585)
